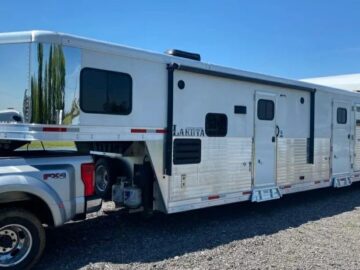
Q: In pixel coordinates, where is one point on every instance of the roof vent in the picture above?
(183, 54)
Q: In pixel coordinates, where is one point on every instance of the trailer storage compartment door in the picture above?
(341, 161)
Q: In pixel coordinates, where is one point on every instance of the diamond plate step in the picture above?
(342, 181)
(265, 194)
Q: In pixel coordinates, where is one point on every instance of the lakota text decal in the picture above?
(189, 131)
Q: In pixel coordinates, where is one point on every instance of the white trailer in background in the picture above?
(349, 82)
(175, 133)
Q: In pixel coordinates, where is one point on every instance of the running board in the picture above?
(265, 194)
(342, 181)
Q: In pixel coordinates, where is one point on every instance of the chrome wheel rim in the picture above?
(101, 178)
(15, 244)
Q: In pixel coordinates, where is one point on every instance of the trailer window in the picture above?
(265, 109)
(105, 92)
(341, 115)
(216, 125)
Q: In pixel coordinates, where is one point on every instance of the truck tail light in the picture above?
(88, 178)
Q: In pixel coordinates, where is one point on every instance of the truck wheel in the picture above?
(22, 239)
(104, 178)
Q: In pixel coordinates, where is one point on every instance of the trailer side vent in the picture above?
(240, 109)
(183, 54)
(187, 151)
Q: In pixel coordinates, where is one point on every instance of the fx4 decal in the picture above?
(51, 176)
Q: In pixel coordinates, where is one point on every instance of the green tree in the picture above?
(34, 100)
(48, 85)
(40, 56)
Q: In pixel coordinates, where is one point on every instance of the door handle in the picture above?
(273, 139)
(277, 131)
(259, 161)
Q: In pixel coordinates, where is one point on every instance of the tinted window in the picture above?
(105, 92)
(216, 125)
(341, 115)
(265, 109)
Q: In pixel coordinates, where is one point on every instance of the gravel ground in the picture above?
(311, 230)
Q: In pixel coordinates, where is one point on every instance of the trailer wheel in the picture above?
(104, 178)
(22, 239)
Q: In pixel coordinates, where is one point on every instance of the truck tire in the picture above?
(104, 178)
(22, 239)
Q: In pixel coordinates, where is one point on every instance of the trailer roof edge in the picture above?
(238, 77)
(93, 44)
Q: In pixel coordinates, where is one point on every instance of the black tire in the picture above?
(18, 227)
(105, 176)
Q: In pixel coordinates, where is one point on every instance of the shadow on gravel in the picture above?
(121, 238)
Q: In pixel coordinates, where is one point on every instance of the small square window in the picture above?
(216, 125)
(265, 109)
(341, 115)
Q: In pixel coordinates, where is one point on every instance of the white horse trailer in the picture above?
(174, 133)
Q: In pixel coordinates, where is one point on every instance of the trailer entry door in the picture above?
(341, 163)
(265, 140)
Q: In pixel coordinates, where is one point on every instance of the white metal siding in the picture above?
(357, 141)
(292, 160)
(357, 149)
(224, 168)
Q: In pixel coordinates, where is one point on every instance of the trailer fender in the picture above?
(33, 186)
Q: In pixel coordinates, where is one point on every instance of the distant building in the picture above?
(349, 82)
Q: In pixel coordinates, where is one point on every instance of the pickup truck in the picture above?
(38, 189)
